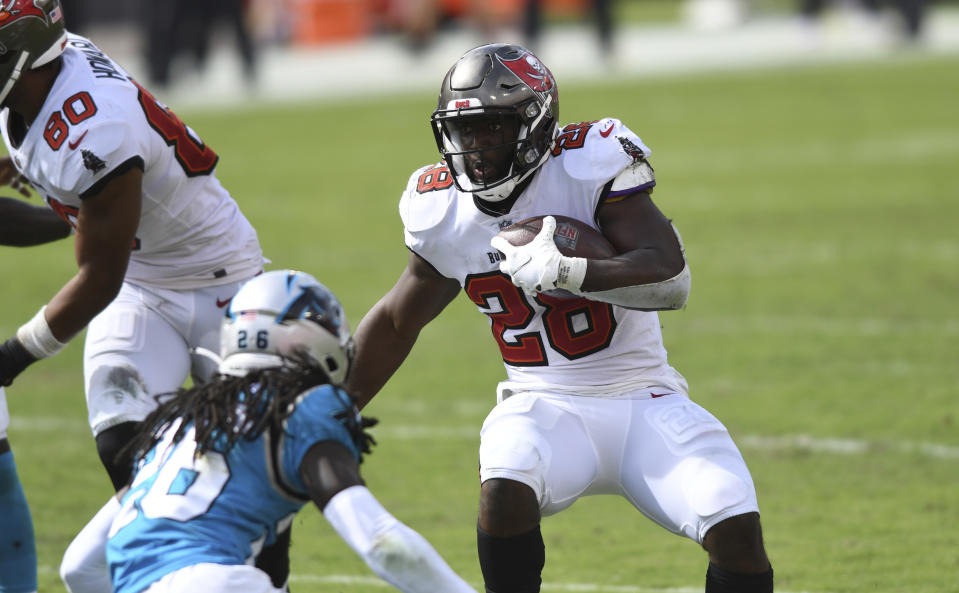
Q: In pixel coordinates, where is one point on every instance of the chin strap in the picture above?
(14, 76)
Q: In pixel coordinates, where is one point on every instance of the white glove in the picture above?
(538, 266)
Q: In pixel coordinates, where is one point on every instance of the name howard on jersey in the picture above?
(100, 64)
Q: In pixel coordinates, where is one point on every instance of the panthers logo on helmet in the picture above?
(531, 71)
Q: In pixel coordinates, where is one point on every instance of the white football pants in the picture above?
(673, 460)
(215, 578)
(139, 346)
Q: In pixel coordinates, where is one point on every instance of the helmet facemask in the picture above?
(481, 147)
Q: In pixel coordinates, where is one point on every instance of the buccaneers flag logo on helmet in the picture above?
(17, 8)
(531, 71)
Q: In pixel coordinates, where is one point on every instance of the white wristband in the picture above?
(36, 337)
(571, 272)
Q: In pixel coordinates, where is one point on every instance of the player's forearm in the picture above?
(83, 298)
(652, 277)
(23, 225)
(399, 555)
(631, 269)
(669, 294)
(381, 349)
(48, 332)
(78, 302)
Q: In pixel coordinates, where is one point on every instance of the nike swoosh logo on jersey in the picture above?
(654, 395)
(220, 303)
(73, 145)
(605, 133)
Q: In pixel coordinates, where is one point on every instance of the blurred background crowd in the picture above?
(172, 42)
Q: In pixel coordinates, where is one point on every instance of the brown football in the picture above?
(574, 238)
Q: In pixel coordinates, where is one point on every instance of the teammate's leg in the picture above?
(520, 439)
(132, 353)
(18, 552)
(135, 350)
(111, 446)
(18, 549)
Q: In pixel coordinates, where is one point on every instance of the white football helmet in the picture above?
(278, 314)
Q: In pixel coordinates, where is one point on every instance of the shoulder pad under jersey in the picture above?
(427, 197)
(599, 150)
(93, 149)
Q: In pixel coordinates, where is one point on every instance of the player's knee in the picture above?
(507, 507)
(736, 544)
(513, 459)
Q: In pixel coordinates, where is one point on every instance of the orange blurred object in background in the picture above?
(317, 22)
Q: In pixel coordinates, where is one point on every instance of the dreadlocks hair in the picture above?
(229, 408)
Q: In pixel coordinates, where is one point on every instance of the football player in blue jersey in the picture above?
(223, 467)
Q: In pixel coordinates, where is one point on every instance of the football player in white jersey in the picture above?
(224, 465)
(590, 404)
(160, 245)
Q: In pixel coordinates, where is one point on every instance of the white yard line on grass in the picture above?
(794, 442)
(564, 587)
(371, 581)
(819, 325)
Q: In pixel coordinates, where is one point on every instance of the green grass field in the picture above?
(819, 208)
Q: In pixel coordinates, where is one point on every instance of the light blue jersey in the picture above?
(219, 508)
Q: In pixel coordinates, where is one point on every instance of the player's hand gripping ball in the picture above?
(547, 253)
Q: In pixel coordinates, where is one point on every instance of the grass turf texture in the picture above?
(818, 207)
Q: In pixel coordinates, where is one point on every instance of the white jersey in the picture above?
(574, 345)
(98, 123)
